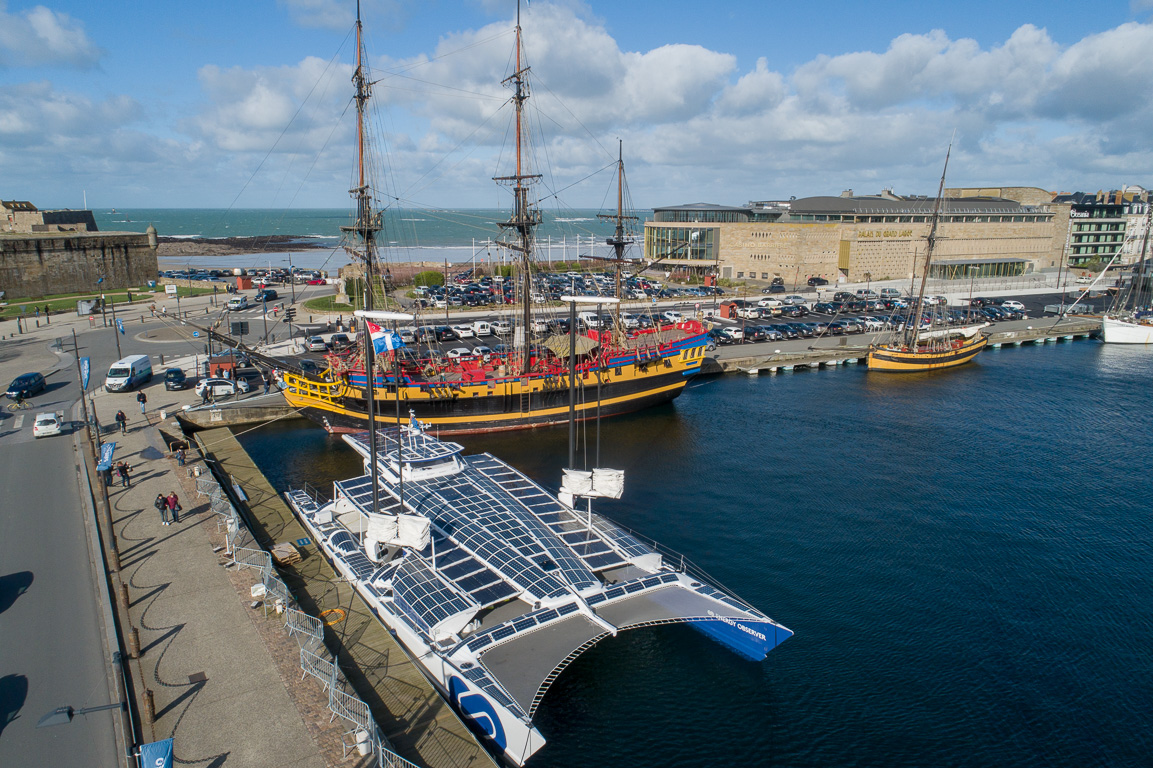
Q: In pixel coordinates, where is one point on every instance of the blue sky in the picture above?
(216, 104)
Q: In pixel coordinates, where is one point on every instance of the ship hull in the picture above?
(459, 408)
(898, 360)
(1117, 331)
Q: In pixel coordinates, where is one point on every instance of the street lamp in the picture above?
(63, 715)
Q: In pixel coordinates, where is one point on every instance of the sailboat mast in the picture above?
(619, 240)
(524, 217)
(366, 227)
(931, 241)
(1135, 290)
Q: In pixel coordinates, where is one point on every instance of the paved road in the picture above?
(50, 631)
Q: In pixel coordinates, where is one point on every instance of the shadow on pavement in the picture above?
(12, 586)
(13, 692)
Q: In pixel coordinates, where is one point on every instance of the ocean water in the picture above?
(965, 559)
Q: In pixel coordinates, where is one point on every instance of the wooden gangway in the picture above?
(422, 727)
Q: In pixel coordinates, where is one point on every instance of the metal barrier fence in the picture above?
(363, 734)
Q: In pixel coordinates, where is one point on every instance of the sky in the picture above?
(218, 104)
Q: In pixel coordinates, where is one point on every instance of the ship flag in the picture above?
(382, 338)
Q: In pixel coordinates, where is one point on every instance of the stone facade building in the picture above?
(858, 238)
(44, 253)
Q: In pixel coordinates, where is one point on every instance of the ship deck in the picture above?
(410, 711)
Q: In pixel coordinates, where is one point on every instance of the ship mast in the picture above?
(619, 241)
(366, 226)
(911, 335)
(525, 217)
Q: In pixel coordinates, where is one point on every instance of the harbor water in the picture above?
(965, 559)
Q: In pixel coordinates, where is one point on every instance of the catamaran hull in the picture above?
(1117, 331)
(895, 360)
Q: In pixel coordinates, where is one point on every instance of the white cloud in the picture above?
(40, 36)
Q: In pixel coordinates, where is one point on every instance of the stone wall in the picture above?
(53, 263)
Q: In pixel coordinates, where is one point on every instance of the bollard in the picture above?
(162, 360)
(134, 644)
(37, 322)
(149, 707)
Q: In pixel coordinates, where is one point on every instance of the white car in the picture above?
(502, 327)
(1010, 304)
(316, 344)
(237, 303)
(794, 299)
(629, 320)
(221, 387)
(463, 331)
(672, 316)
(46, 424)
(539, 326)
(458, 352)
(734, 333)
(407, 334)
(772, 303)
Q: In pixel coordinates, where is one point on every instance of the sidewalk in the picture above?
(216, 689)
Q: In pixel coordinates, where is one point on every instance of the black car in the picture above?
(174, 378)
(340, 342)
(265, 294)
(26, 385)
(778, 281)
(817, 281)
(777, 288)
(716, 338)
(444, 333)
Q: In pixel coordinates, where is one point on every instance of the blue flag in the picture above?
(157, 754)
(106, 451)
(85, 369)
(120, 326)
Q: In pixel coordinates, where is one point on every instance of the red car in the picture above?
(317, 281)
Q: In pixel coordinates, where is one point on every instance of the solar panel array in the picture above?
(358, 490)
(427, 595)
(521, 623)
(480, 677)
(415, 447)
(465, 572)
(590, 546)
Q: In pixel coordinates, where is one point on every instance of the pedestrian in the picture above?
(142, 399)
(204, 394)
(174, 506)
(267, 382)
(122, 420)
(161, 505)
(180, 457)
(123, 469)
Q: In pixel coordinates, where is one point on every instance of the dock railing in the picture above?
(363, 734)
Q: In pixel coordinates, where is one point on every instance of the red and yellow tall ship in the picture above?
(526, 386)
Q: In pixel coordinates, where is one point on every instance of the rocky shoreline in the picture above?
(177, 247)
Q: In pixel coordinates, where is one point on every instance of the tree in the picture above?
(430, 277)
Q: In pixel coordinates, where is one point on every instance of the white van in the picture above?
(591, 321)
(128, 373)
(482, 328)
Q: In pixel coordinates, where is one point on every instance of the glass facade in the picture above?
(681, 243)
(974, 269)
(704, 215)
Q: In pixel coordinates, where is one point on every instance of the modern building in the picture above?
(857, 237)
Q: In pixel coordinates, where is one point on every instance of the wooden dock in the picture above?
(413, 716)
(796, 355)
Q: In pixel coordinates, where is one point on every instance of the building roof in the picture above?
(17, 205)
(704, 207)
(867, 204)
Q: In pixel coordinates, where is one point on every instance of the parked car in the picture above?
(458, 352)
(777, 288)
(309, 366)
(317, 281)
(890, 293)
(501, 327)
(316, 344)
(794, 299)
(733, 332)
(717, 337)
(814, 281)
(26, 385)
(825, 308)
(1011, 304)
(221, 387)
(175, 379)
(46, 424)
(339, 342)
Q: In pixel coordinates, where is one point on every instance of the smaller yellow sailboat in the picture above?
(928, 343)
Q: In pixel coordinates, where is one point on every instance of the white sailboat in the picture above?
(1130, 319)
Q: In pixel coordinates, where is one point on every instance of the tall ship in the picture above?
(926, 342)
(1130, 318)
(494, 585)
(515, 386)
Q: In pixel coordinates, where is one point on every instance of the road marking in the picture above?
(19, 423)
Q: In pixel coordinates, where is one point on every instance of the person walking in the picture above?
(180, 457)
(123, 470)
(174, 506)
(204, 394)
(161, 505)
(122, 420)
(267, 381)
(142, 399)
